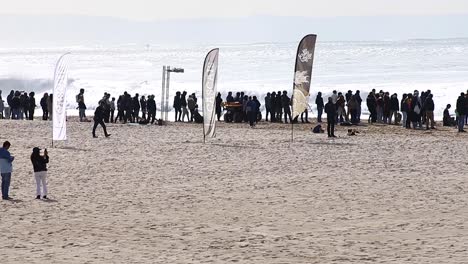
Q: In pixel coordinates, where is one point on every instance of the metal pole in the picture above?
(167, 92)
(162, 92)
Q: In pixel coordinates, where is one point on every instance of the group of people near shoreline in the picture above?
(22, 105)
(414, 110)
(39, 165)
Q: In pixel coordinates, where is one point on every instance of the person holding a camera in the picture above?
(39, 163)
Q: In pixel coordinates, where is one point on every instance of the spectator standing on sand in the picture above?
(320, 106)
(191, 106)
(2, 106)
(279, 107)
(359, 102)
(372, 107)
(40, 171)
(404, 109)
(144, 107)
(429, 111)
(81, 105)
(286, 103)
(394, 108)
(6, 168)
(112, 110)
(461, 110)
(32, 105)
(136, 109)
(273, 107)
(268, 106)
(330, 110)
(177, 107)
(50, 108)
(219, 102)
(9, 102)
(183, 104)
(43, 103)
(151, 109)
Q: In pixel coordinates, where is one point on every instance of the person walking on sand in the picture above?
(461, 110)
(40, 171)
(330, 110)
(99, 120)
(6, 167)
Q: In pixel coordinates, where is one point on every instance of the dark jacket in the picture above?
(176, 104)
(461, 105)
(39, 162)
(394, 104)
(44, 103)
(429, 104)
(151, 105)
(330, 109)
(99, 114)
(319, 102)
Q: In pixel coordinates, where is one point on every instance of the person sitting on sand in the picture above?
(99, 119)
(40, 171)
(448, 120)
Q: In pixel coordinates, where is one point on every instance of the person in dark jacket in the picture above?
(230, 98)
(448, 119)
(429, 110)
(43, 103)
(99, 120)
(273, 107)
(24, 103)
(144, 107)
(394, 108)
(330, 110)
(462, 111)
(319, 103)
(219, 102)
(268, 106)
(136, 108)
(40, 171)
(372, 106)
(251, 111)
(404, 109)
(9, 98)
(359, 101)
(16, 106)
(177, 107)
(151, 109)
(32, 105)
(286, 103)
(279, 107)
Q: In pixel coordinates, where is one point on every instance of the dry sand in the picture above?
(154, 194)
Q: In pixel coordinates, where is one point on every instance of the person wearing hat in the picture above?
(6, 168)
(40, 171)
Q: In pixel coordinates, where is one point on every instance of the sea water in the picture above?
(256, 68)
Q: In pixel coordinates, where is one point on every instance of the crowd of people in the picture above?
(413, 110)
(21, 105)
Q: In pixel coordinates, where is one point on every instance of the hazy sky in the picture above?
(174, 9)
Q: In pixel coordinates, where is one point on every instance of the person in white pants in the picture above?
(40, 171)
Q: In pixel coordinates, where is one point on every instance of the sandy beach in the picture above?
(153, 194)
